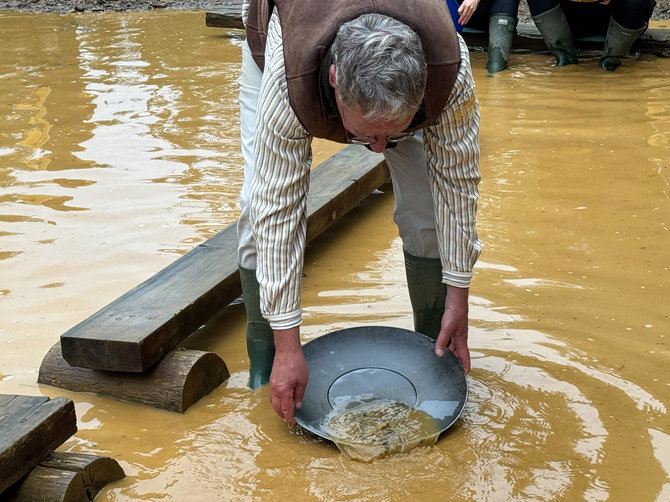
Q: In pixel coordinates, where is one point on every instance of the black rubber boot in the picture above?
(260, 339)
(618, 42)
(557, 35)
(501, 32)
(427, 293)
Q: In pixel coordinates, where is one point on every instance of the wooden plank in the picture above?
(225, 17)
(528, 38)
(31, 428)
(66, 477)
(179, 380)
(135, 331)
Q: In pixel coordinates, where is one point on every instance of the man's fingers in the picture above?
(299, 394)
(276, 404)
(282, 403)
(441, 345)
(462, 353)
(287, 406)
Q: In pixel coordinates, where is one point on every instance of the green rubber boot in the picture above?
(427, 293)
(501, 32)
(618, 42)
(557, 35)
(260, 339)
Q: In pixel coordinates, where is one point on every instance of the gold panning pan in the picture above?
(379, 363)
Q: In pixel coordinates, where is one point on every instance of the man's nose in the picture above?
(378, 146)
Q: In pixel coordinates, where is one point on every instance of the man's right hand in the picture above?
(289, 374)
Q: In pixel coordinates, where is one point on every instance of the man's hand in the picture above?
(454, 330)
(466, 10)
(289, 374)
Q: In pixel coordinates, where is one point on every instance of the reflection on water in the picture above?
(118, 153)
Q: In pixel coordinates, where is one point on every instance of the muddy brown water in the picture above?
(119, 153)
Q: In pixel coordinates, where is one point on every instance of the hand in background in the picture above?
(466, 10)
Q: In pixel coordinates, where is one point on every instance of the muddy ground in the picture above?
(662, 10)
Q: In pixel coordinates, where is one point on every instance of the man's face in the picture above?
(357, 126)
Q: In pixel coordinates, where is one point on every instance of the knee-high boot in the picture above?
(501, 32)
(260, 338)
(618, 42)
(557, 35)
(427, 293)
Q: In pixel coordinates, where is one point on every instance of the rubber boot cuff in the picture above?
(427, 293)
(501, 33)
(260, 338)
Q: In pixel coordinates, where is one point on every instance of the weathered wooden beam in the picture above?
(225, 17)
(31, 426)
(527, 38)
(180, 379)
(66, 477)
(135, 331)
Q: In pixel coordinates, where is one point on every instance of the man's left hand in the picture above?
(454, 329)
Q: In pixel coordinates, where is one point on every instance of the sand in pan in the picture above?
(369, 429)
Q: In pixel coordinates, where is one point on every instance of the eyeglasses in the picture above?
(369, 140)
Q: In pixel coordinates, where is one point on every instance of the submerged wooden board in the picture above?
(178, 381)
(527, 38)
(135, 331)
(31, 426)
(66, 477)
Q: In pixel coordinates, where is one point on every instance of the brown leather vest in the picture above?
(309, 27)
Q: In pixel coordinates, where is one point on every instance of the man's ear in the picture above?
(331, 76)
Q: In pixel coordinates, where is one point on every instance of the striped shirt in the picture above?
(280, 185)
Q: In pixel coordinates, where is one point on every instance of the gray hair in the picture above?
(379, 66)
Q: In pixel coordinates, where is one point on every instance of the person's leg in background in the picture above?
(630, 18)
(259, 335)
(553, 25)
(415, 216)
(499, 19)
(502, 27)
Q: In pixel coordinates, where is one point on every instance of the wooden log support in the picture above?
(225, 17)
(180, 379)
(135, 331)
(527, 38)
(66, 477)
(31, 426)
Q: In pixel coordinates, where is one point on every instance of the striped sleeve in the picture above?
(452, 154)
(279, 191)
